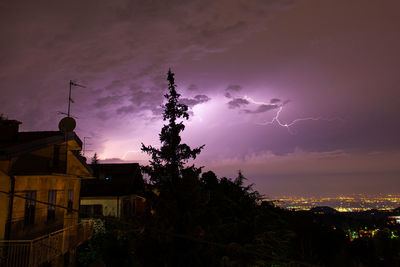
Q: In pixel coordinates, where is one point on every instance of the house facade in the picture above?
(116, 191)
(40, 180)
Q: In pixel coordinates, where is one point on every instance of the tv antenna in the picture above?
(65, 113)
(85, 145)
(72, 83)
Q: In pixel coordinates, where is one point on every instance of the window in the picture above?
(70, 200)
(51, 209)
(30, 203)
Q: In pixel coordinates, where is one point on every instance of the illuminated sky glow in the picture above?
(300, 95)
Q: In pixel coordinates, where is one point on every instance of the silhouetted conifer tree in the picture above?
(168, 161)
(95, 165)
(95, 159)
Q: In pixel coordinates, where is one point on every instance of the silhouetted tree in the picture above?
(221, 211)
(168, 161)
(176, 194)
(95, 159)
(95, 165)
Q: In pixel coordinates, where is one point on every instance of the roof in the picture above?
(26, 142)
(81, 159)
(106, 189)
(120, 172)
(113, 180)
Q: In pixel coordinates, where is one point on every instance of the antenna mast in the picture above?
(71, 83)
(85, 145)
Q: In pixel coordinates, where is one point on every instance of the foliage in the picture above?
(109, 245)
(168, 162)
(95, 159)
(189, 212)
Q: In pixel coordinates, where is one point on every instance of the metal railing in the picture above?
(27, 253)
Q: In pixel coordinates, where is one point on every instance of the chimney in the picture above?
(8, 129)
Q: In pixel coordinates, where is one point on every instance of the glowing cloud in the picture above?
(275, 104)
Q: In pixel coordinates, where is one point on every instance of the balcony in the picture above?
(24, 253)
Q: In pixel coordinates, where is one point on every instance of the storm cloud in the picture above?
(220, 51)
(237, 103)
(261, 109)
(233, 88)
(198, 99)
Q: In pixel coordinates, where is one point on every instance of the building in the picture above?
(115, 191)
(40, 179)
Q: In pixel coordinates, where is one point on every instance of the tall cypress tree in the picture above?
(168, 162)
(176, 205)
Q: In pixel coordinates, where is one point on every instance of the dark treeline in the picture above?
(197, 219)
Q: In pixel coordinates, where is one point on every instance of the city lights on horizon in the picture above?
(341, 203)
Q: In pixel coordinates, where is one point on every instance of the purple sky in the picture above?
(238, 65)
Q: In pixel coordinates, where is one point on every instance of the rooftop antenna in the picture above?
(65, 113)
(85, 145)
(72, 83)
(68, 124)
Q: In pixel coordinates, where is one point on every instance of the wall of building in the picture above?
(122, 206)
(36, 173)
(42, 185)
(41, 160)
(4, 200)
(75, 166)
(111, 205)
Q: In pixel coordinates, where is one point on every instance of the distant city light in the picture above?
(351, 203)
(395, 218)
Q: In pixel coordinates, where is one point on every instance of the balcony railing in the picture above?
(27, 253)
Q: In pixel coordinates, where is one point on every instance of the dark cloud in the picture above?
(198, 99)
(193, 87)
(237, 103)
(205, 23)
(233, 88)
(275, 100)
(113, 46)
(116, 84)
(141, 100)
(108, 100)
(280, 3)
(228, 95)
(126, 109)
(103, 115)
(261, 109)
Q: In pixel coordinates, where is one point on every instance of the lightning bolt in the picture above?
(287, 125)
(251, 100)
